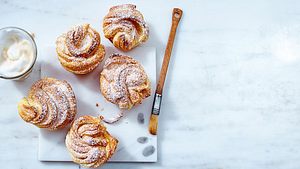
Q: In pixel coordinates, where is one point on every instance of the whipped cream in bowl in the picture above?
(18, 53)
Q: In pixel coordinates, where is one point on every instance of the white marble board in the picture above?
(135, 142)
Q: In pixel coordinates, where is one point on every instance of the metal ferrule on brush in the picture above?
(156, 104)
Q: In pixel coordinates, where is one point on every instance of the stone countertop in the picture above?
(231, 99)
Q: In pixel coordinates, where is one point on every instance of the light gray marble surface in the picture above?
(232, 96)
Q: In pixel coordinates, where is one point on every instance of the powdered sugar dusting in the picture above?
(57, 102)
(125, 26)
(122, 76)
(79, 50)
(95, 153)
(87, 142)
(82, 41)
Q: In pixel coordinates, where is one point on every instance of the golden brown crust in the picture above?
(125, 27)
(124, 81)
(79, 50)
(50, 104)
(89, 143)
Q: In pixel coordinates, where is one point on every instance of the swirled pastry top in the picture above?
(79, 50)
(124, 81)
(125, 27)
(88, 142)
(50, 104)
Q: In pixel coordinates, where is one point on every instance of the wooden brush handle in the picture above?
(176, 16)
(177, 13)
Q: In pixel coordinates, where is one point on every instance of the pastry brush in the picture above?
(153, 123)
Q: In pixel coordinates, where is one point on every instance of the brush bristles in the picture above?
(153, 124)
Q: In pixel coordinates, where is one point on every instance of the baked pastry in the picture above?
(124, 81)
(88, 142)
(50, 104)
(125, 27)
(79, 50)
